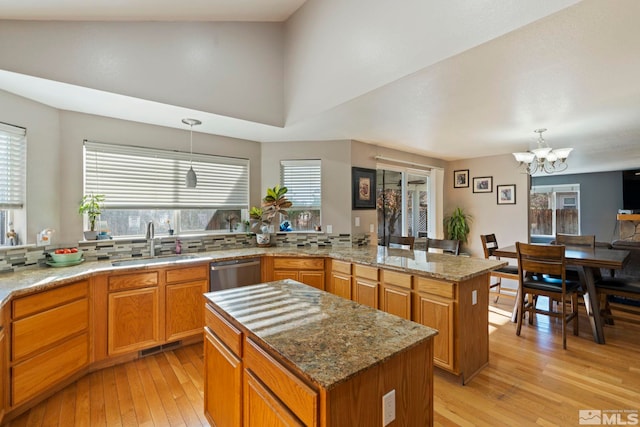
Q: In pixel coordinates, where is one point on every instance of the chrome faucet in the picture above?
(151, 237)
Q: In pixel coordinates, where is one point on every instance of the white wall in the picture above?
(42, 208)
(227, 68)
(508, 222)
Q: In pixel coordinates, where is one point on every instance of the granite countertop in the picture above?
(307, 328)
(434, 265)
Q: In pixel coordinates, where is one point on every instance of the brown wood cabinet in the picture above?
(462, 321)
(340, 283)
(309, 271)
(133, 311)
(49, 339)
(395, 293)
(366, 285)
(4, 373)
(183, 296)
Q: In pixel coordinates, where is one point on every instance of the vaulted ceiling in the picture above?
(447, 79)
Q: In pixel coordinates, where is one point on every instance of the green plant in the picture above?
(457, 225)
(275, 202)
(91, 204)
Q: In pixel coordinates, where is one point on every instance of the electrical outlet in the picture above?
(357, 221)
(371, 229)
(388, 408)
(329, 229)
(474, 297)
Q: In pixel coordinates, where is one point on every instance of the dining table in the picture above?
(587, 261)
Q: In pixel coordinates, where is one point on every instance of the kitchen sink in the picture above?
(154, 260)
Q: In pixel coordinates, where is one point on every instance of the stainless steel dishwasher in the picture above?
(234, 273)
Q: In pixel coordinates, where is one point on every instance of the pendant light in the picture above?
(191, 180)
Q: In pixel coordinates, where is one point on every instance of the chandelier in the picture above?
(543, 158)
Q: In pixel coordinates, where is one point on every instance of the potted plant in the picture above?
(457, 225)
(273, 204)
(91, 205)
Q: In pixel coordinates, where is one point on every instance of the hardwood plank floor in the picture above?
(530, 381)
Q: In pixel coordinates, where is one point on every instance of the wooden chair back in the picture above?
(451, 246)
(489, 244)
(401, 241)
(571, 239)
(542, 259)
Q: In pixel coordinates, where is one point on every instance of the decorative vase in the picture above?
(90, 235)
(263, 239)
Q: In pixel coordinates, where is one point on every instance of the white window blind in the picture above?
(303, 180)
(13, 155)
(137, 177)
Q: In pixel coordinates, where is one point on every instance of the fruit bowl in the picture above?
(64, 258)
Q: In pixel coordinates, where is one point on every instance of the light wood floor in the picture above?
(530, 381)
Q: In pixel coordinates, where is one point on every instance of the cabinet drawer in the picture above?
(298, 263)
(398, 279)
(42, 301)
(40, 330)
(366, 272)
(224, 330)
(133, 281)
(187, 274)
(436, 287)
(295, 394)
(41, 372)
(341, 267)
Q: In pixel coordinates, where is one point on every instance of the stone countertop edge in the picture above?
(306, 327)
(432, 265)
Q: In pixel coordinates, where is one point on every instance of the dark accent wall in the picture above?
(600, 199)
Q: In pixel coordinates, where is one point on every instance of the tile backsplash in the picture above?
(13, 258)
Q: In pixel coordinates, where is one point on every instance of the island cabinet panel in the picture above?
(340, 283)
(184, 316)
(462, 343)
(222, 383)
(366, 287)
(395, 293)
(262, 408)
(4, 373)
(296, 396)
(49, 339)
(133, 322)
(309, 271)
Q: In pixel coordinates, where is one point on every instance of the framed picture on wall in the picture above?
(461, 178)
(483, 184)
(506, 194)
(363, 188)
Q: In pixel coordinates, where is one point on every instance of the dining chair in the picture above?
(618, 287)
(534, 262)
(401, 241)
(576, 240)
(446, 245)
(489, 245)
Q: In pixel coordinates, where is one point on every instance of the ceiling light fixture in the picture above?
(543, 158)
(191, 180)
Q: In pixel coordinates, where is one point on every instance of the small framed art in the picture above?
(461, 178)
(506, 194)
(483, 184)
(363, 191)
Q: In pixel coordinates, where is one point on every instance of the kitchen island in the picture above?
(286, 351)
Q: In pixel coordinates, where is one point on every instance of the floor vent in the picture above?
(159, 348)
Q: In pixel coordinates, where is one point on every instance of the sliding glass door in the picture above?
(402, 202)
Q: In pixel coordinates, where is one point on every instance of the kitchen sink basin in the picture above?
(154, 260)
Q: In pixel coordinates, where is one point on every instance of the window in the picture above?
(554, 209)
(303, 179)
(13, 157)
(145, 184)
